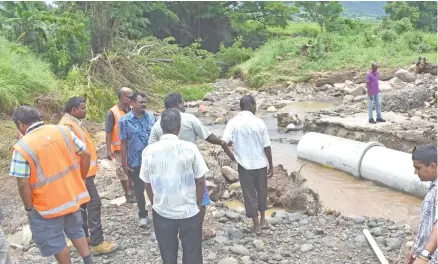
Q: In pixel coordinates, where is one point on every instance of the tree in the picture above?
(422, 14)
(321, 11)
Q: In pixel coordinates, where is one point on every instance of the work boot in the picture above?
(104, 248)
(372, 121)
(381, 120)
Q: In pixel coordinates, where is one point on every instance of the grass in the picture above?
(280, 60)
(194, 92)
(22, 76)
(8, 137)
(296, 29)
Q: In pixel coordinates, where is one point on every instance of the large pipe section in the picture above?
(371, 161)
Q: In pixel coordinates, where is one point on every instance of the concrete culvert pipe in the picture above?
(370, 161)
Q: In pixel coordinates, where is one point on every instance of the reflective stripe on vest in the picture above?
(43, 180)
(64, 206)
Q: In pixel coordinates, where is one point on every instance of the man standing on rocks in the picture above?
(51, 184)
(5, 258)
(191, 129)
(251, 142)
(135, 128)
(425, 163)
(173, 170)
(372, 80)
(76, 110)
(112, 138)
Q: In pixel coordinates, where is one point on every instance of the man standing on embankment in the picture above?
(51, 184)
(75, 111)
(372, 80)
(112, 138)
(425, 163)
(191, 129)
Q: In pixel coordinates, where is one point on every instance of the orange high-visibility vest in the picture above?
(115, 141)
(83, 135)
(55, 178)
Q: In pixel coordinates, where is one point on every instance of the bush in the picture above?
(194, 92)
(388, 35)
(23, 76)
(403, 25)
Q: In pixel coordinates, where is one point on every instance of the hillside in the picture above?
(364, 9)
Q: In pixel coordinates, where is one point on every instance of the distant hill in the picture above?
(364, 9)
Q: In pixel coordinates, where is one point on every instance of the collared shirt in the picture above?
(171, 166)
(136, 132)
(250, 138)
(191, 129)
(373, 79)
(429, 215)
(20, 168)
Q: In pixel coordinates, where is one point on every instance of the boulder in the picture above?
(243, 91)
(405, 76)
(348, 98)
(358, 90)
(208, 97)
(272, 109)
(282, 103)
(229, 173)
(384, 86)
(395, 80)
(360, 98)
(339, 86)
(286, 118)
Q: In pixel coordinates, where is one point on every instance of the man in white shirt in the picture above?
(191, 129)
(251, 142)
(173, 171)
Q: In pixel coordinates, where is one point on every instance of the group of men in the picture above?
(56, 165)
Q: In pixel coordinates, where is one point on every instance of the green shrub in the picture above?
(388, 35)
(403, 25)
(194, 92)
(23, 76)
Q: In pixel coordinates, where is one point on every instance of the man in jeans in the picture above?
(75, 111)
(173, 171)
(372, 79)
(252, 146)
(135, 128)
(4, 247)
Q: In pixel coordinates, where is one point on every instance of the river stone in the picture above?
(221, 240)
(229, 173)
(235, 234)
(211, 256)
(232, 215)
(361, 239)
(240, 250)
(271, 109)
(294, 217)
(258, 244)
(246, 259)
(377, 231)
(263, 256)
(234, 186)
(218, 214)
(306, 247)
(228, 261)
(405, 76)
(359, 220)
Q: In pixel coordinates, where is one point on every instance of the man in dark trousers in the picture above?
(251, 143)
(191, 129)
(173, 170)
(135, 128)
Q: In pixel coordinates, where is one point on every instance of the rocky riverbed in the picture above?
(303, 231)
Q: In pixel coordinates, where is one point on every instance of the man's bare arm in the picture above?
(213, 139)
(85, 163)
(149, 192)
(108, 140)
(200, 190)
(432, 242)
(268, 153)
(25, 192)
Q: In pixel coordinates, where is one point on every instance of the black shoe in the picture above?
(381, 120)
(372, 121)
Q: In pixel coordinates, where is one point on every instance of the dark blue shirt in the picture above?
(136, 132)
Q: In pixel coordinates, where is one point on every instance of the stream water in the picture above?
(337, 189)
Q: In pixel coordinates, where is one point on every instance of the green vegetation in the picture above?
(93, 48)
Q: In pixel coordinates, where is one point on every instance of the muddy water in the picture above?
(337, 189)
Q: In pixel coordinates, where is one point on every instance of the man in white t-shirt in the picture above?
(173, 171)
(251, 143)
